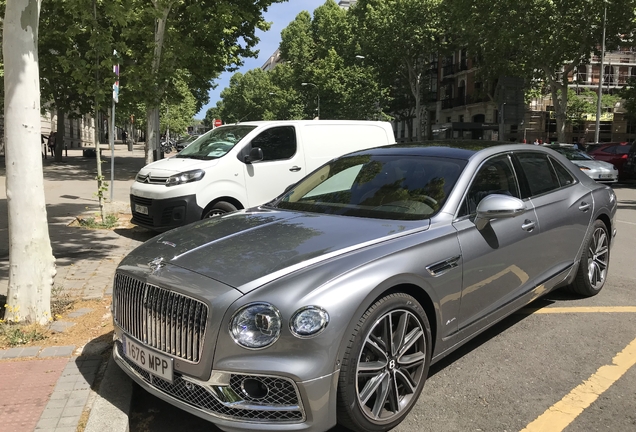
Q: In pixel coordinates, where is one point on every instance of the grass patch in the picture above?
(110, 221)
(13, 335)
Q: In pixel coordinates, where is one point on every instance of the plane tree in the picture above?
(204, 37)
(400, 37)
(31, 261)
(538, 39)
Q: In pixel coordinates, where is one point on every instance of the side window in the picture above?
(564, 176)
(495, 176)
(610, 150)
(277, 143)
(539, 172)
(621, 150)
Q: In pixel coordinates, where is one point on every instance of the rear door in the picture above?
(563, 207)
(283, 164)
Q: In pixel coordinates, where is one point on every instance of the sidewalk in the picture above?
(52, 388)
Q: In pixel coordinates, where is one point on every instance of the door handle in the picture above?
(295, 169)
(528, 225)
(584, 206)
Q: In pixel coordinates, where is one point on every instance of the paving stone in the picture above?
(68, 421)
(47, 423)
(78, 313)
(72, 411)
(56, 403)
(30, 351)
(65, 429)
(11, 353)
(61, 326)
(62, 351)
(52, 413)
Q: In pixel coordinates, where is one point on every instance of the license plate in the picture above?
(156, 364)
(141, 209)
(605, 176)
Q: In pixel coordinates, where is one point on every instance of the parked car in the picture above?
(600, 171)
(185, 141)
(629, 169)
(330, 303)
(612, 152)
(243, 165)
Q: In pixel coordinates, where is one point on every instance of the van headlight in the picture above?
(185, 177)
(256, 325)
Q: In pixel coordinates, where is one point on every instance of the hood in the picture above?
(594, 164)
(174, 165)
(242, 247)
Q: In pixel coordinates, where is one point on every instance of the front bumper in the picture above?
(288, 406)
(165, 214)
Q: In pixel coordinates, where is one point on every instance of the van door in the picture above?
(283, 164)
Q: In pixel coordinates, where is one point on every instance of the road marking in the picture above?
(630, 223)
(563, 310)
(561, 414)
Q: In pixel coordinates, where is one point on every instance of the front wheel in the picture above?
(385, 365)
(594, 263)
(218, 209)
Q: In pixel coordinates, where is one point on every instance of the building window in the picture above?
(461, 119)
(448, 119)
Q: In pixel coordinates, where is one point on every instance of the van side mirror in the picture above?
(498, 206)
(256, 154)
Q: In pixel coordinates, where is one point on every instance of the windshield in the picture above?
(573, 154)
(382, 187)
(216, 143)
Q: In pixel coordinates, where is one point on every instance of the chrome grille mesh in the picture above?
(280, 405)
(162, 319)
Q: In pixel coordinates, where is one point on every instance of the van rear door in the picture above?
(283, 164)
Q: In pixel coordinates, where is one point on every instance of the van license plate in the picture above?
(141, 209)
(156, 364)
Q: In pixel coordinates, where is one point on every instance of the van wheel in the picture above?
(218, 209)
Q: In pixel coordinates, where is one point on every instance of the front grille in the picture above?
(162, 319)
(151, 180)
(280, 405)
(142, 200)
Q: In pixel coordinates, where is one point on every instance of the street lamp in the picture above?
(600, 81)
(317, 94)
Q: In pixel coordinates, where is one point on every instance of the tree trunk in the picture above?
(59, 135)
(152, 126)
(152, 135)
(31, 261)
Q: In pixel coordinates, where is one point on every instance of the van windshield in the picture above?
(215, 143)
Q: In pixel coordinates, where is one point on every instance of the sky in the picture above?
(279, 15)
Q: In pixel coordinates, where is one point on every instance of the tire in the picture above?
(218, 209)
(379, 383)
(594, 263)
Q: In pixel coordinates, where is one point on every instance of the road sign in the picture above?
(217, 122)
(116, 91)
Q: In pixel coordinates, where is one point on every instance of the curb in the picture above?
(111, 406)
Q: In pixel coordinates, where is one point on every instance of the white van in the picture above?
(243, 165)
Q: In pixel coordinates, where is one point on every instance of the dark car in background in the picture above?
(328, 304)
(629, 168)
(613, 152)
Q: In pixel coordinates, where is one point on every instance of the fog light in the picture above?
(254, 388)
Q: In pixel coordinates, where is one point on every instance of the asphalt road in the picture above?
(553, 369)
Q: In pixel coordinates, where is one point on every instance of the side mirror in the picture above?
(256, 154)
(497, 206)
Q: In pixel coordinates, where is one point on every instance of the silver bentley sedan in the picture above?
(601, 171)
(329, 304)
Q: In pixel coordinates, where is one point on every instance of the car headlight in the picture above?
(256, 325)
(185, 177)
(584, 168)
(308, 321)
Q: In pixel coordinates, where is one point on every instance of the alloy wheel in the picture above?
(597, 258)
(391, 365)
